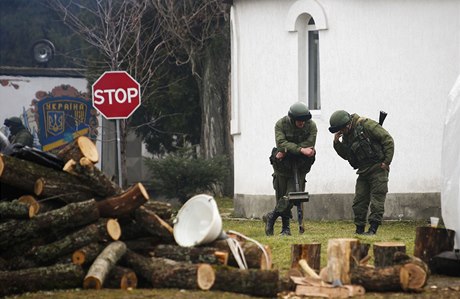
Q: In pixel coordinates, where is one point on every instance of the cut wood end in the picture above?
(78, 257)
(417, 276)
(92, 282)
(39, 186)
(88, 148)
(2, 164)
(34, 206)
(222, 257)
(205, 276)
(264, 264)
(114, 229)
(389, 244)
(129, 281)
(143, 191)
(69, 166)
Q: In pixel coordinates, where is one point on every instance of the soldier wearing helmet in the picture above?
(369, 148)
(18, 133)
(295, 136)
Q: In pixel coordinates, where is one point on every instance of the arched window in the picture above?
(306, 18)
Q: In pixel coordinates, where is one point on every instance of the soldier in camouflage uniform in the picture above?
(369, 148)
(18, 133)
(295, 136)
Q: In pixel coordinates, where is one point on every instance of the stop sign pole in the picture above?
(116, 95)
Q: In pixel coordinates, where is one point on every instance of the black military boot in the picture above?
(285, 230)
(360, 229)
(269, 220)
(372, 229)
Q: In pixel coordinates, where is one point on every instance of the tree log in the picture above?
(79, 148)
(103, 264)
(153, 224)
(121, 278)
(15, 210)
(32, 202)
(92, 176)
(60, 276)
(144, 245)
(70, 216)
(165, 273)
(263, 283)
(87, 254)
(309, 252)
(430, 241)
(162, 209)
(384, 252)
(255, 258)
(125, 203)
(67, 190)
(23, 174)
(342, 257)
(195, 255)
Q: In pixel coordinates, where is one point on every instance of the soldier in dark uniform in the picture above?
(295, 136)
(18, 133)
(369, 148)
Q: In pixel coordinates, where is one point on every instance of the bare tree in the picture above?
(197, 32)
(127, 36)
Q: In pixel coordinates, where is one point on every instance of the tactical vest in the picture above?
(363, 150)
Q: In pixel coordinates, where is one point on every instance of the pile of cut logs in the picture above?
(73, 227)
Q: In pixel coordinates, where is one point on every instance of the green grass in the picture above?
(315, 232)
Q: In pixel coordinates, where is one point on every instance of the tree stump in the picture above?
(79, 148)
(430, 241)
(309, 252)
(60, 276)
(103, 264)
(253, 282)
(343, 256)
(384, 252)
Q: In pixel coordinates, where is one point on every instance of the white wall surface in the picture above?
(400, 56)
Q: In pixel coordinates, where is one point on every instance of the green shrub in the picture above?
(182, 174)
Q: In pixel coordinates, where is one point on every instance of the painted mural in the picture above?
(57, 117)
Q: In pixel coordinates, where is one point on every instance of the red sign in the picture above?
(116, 95)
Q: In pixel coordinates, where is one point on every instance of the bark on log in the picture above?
(23, 174)
(255, 258)
(103, 264)
(60, 276)
(121, 278)
(143, 245)
(342, 257)
(162, 209)
(385, 251)
(70, 216)
(67, 190)
(87, 254)
(309, 252)
(165, 273)
(154, 224)
(15, 210)
(263, 283)
(87, 173)
(195, 255)
(79, 148)
(125, 203)
(430, 241)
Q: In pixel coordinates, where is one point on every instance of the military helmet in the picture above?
(299, 111)
(13, 121)
(339, 120)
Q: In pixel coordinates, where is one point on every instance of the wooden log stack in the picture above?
(76, 228)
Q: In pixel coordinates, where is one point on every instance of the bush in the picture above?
(182, 175)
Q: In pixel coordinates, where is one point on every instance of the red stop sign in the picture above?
(116, 95)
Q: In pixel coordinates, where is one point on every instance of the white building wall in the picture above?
(393, 55)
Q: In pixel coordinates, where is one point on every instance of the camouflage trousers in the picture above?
(370, 193)
(283, 185)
